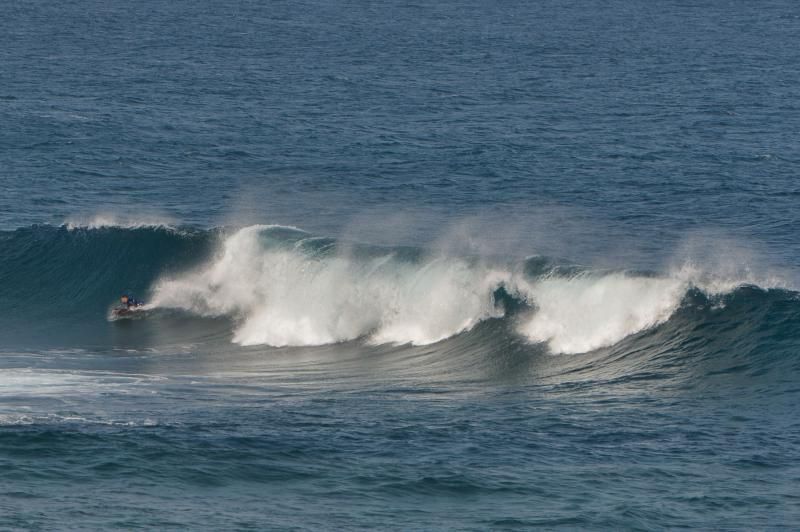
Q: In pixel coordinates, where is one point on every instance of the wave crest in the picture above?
(586, 312)
(284, 287)
(103, 221)
(306, 295)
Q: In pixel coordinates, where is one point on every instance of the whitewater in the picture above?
(289, 288)
(281, 286)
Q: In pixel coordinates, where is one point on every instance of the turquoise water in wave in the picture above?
(458, 266)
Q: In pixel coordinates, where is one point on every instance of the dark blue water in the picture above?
(469, 265)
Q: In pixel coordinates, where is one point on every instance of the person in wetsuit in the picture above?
(130, 302)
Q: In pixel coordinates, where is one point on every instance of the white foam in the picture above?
(106, 220)
(592, 310)
(33, 418)
(587, 312)
(34, 382)
(289, 297)
(283, 296)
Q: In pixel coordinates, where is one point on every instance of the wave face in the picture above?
(57, 283)
(280, 286)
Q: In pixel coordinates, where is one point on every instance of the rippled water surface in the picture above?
(470, 265)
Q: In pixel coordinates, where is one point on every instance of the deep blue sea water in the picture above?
(458, 265)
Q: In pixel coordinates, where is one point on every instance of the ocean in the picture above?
(463, 265)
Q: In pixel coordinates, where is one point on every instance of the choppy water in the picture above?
(463, 266)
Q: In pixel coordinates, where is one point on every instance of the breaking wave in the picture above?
(285, 287)
(288, 288)
(280, 286)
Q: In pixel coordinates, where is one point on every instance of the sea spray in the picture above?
(588, 311)
(291, 296)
